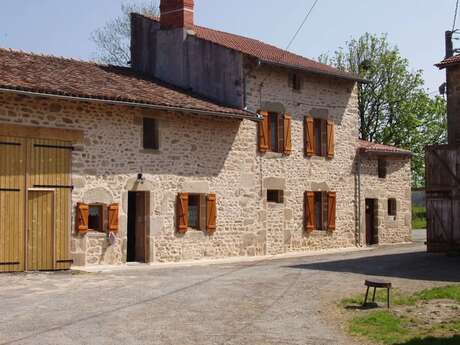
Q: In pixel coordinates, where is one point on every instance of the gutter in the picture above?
(251, 116)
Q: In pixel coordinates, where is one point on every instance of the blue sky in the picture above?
(63, 27)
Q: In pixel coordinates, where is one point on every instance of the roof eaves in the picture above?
(127, 102)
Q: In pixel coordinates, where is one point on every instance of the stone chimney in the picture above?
(175, 14)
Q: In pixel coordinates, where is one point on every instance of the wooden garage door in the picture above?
(49, 169)
(12, 203)
(35, 197)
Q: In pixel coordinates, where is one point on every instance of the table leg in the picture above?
(365, 299)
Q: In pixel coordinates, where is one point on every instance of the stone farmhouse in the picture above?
(210, 145)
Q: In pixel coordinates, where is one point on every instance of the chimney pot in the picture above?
(175, 14)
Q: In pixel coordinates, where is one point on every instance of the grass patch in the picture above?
(418, 217)
(403, 324)
(381, 326)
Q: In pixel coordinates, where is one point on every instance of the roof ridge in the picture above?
(157, 19)
(265, 52)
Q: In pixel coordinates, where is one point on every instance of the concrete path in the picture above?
(419, 235)
(287, 301)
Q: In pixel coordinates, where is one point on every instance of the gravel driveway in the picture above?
(286, 301)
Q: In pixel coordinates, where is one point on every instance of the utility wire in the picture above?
(305, 20)
(455, 16)
(295, 36)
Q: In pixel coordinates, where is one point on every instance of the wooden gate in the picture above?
(12, 204)
(35, 200)
(443, 198)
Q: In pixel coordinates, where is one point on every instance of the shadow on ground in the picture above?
(416, 265)
(455, 340)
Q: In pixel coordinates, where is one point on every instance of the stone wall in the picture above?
(268, 89)
(203, 154)
(396, 185)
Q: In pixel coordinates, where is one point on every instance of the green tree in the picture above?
(113, 39)
(394, 107)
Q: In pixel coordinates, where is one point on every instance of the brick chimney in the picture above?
(175, 14)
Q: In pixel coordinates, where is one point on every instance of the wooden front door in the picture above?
(371, 232)
(138, 227)
(41, 230)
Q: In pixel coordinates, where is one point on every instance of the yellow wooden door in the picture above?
(12, 203)
(49, 167)
(41, 230)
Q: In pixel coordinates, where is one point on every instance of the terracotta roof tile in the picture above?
(453, 60)
(370, 147)
(67, 77)
(265, 52)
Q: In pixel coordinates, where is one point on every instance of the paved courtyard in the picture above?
(286, 301)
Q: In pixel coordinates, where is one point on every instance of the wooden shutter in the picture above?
(309, 211)
(309, 136)
(330, 139)
(182, 213)
(113, 211)
(287, 149)
(263, 132)
(211, 208)
(331, 210)
(82, 217)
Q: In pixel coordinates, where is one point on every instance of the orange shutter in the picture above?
(182, 213)
(113, 217)
(287, 135)
(309, 136)
(309, 211)
(263, 132)
(330, 139)
(82, 217)
(211, 211)
(331, 210)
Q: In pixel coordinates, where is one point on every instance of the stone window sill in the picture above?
(273, 155)
(150, 151)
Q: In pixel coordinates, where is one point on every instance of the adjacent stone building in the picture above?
(210, 145)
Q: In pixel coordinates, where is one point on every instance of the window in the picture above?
(196, 211)
(382, 168)
(392, 208)
(275, 133)
(95, 218)
(150, 134)
(275, 128)
(194, 206)
(295, 81)
(319, 137)
(320, 211)
(275, 196)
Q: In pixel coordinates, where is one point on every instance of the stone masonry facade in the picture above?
(206, 154)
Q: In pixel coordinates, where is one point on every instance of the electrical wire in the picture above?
(292, 41)
(304, 21)
(455, 16)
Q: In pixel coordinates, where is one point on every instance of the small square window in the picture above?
(150, 134)
(382, 168)
(296, 81)
(95, 218)
(275, 196)
(392, 207)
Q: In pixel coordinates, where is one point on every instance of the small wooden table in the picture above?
(377, 284)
